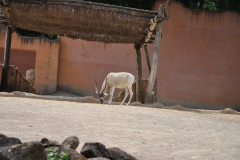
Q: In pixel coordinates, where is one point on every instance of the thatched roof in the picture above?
(81, 20)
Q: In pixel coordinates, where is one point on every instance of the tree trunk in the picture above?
(139, 74)
(151, 80)
(147, 58)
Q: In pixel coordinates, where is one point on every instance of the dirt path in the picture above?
(146, 133)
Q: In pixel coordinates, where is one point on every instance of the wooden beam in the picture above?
(151, 80)
(139, 74)
(6, 58)
(152, 28)
(147, 58)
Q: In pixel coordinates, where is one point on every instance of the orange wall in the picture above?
(81, 61)
(199, 58)
(16, 58)
(198, 63)
(46, 66)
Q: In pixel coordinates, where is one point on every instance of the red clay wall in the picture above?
(46, 53)
(198, 64)
(199, 59)
(81, 61)
(23, 59)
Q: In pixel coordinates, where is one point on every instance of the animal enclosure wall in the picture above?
(82, 61)
(199, 58)
(23, 59)
(46, 54)
(198, 63)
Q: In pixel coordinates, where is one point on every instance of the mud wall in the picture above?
(199, 58)
(46, 53)
(82, 61)
(24, 59)
(198, 64)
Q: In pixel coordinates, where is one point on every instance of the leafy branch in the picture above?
(53, 155)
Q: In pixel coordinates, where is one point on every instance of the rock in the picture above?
(118, 154)
(3, 158)
(30, 76)
(229, 111)
(2, 136)
(92, 150)
(8, 141)
(24, 151)
(98, 158)
(49, 143)
(71, 142)
(74, 155)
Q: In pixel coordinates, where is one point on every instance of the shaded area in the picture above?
(16, 81)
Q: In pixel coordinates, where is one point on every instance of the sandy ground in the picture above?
(146, 133)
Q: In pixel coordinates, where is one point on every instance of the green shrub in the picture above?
(53, 155)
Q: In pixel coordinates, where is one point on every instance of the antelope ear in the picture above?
(105, 94)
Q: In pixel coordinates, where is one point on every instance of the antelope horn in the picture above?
(96, 85)
(104, 86)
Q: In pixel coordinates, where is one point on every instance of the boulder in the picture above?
(71, 142)
(30, 76)
(2, 136)
(229, 111)
(98, 158)
(92, 150)
(74, 155)
(118, 154)
(49, 143)
(24, 151)
(8, 141)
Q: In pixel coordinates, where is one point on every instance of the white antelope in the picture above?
(121, 80)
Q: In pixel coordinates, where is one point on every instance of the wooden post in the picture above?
(147, 58)
(7, 49)
(139, 74)
(151, 80)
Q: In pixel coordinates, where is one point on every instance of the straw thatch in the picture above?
(84, 20)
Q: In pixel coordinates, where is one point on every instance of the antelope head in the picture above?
(101, 93)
